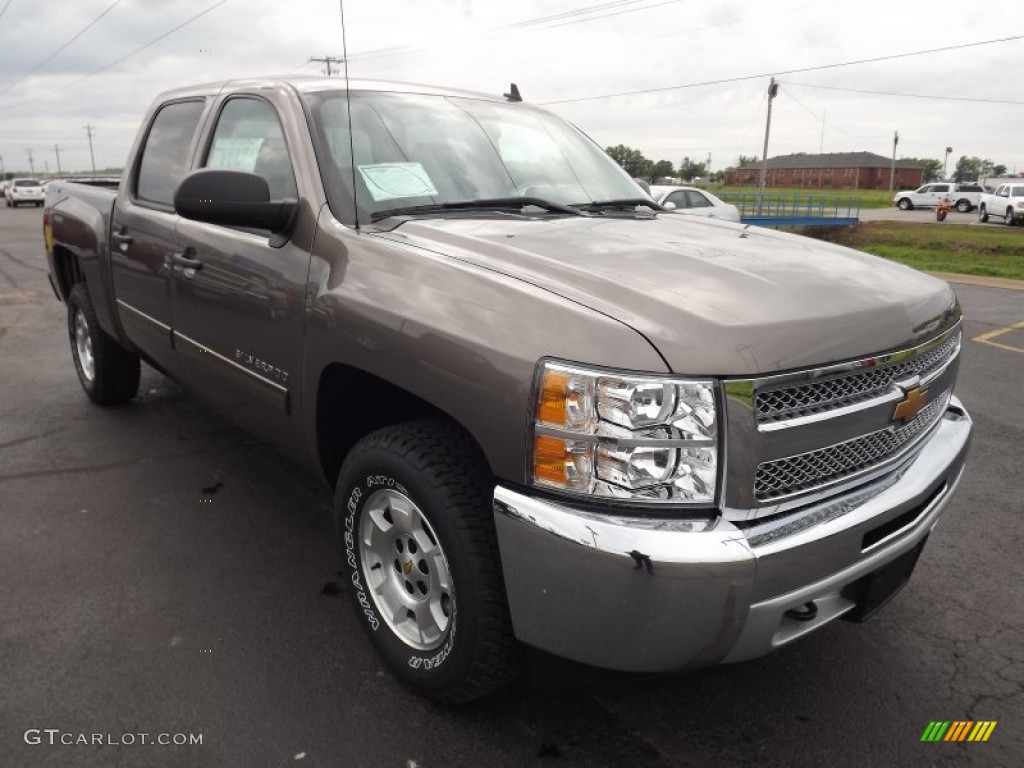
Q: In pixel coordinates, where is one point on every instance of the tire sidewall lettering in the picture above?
(365, 486)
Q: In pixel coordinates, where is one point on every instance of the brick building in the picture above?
(837, 170)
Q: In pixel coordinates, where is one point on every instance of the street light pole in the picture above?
(945, 163)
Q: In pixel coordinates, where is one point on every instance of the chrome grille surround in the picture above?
(814, 469)
(758, 454)
(876, 377)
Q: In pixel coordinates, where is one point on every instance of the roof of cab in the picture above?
(308, 84)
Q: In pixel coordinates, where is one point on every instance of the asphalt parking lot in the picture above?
(165, 573)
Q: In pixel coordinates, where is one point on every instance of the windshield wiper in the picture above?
(492, 203)
(626, 203)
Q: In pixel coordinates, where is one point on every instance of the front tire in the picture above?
(109, 374)
(413, 514)
(904, 204)
(983, 215)
(964, 206)
(1009, 217)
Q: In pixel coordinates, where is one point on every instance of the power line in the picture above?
(762, 75)
(816, 116)
(50, 58)
(117, 61)
(4, 9)
(560, 19)
(907, 95)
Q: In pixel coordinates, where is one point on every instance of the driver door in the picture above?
(238, 293)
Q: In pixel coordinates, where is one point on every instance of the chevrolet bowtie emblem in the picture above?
(911, 404)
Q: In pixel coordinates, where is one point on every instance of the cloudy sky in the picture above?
(55, 78)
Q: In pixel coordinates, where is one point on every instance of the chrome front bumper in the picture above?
(655, 595)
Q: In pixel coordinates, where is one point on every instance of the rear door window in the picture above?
(166, 154)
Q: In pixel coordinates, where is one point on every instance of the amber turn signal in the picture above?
(549, 459)
(554, 390)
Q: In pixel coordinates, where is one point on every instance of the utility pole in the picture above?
(88, 132)
(3, 173)
(707, 171)
(327, 60)
(57, 150)
(945, 162)
(821, 144)
(31, 162)
(773, 90)
(892, 170)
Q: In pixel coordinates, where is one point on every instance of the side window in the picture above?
(165, 156)
(695, 199)
(940, 188)
(249, 138)
(677, 198)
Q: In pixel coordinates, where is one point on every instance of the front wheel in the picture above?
(109, 374)
(964, 206)
(413, 513)
(982, 215)
(904, 204)
(1009, 217)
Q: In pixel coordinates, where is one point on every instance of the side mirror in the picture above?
(232, 199)
(669, 206)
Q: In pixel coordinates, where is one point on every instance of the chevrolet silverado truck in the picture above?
(1006, 203)
(554, 416)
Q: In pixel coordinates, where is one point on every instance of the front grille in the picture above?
(833, 392)
(783, 477)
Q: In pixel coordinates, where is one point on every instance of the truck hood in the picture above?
(714, 298)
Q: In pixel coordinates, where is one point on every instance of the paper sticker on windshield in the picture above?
(237, 154)
(388, 181)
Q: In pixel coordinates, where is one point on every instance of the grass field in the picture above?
(868, 198)
(967, 250)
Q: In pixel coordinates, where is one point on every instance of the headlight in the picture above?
(631, 437)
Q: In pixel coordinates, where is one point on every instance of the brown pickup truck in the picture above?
(555, 415)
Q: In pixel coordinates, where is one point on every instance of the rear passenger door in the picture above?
(238, 314)
(142, 229)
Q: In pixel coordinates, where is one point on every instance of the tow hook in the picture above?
(806, 612)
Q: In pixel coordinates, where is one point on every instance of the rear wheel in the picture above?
(964, 206)
(904, 204)
(109, 374)
(413, 512)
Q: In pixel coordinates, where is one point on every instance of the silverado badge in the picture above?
(907, 408)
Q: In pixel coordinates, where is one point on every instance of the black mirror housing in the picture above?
(232, 199)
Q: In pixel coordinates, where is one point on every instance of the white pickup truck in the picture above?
(964, 197)
(1006, 203)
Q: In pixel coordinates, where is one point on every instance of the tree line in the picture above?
(640, 167)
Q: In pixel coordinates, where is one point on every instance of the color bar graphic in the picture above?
(959, 730)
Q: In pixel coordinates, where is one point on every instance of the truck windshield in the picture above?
(414, 150)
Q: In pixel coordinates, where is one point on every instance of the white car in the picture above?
(695, 202)
(24, 191)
